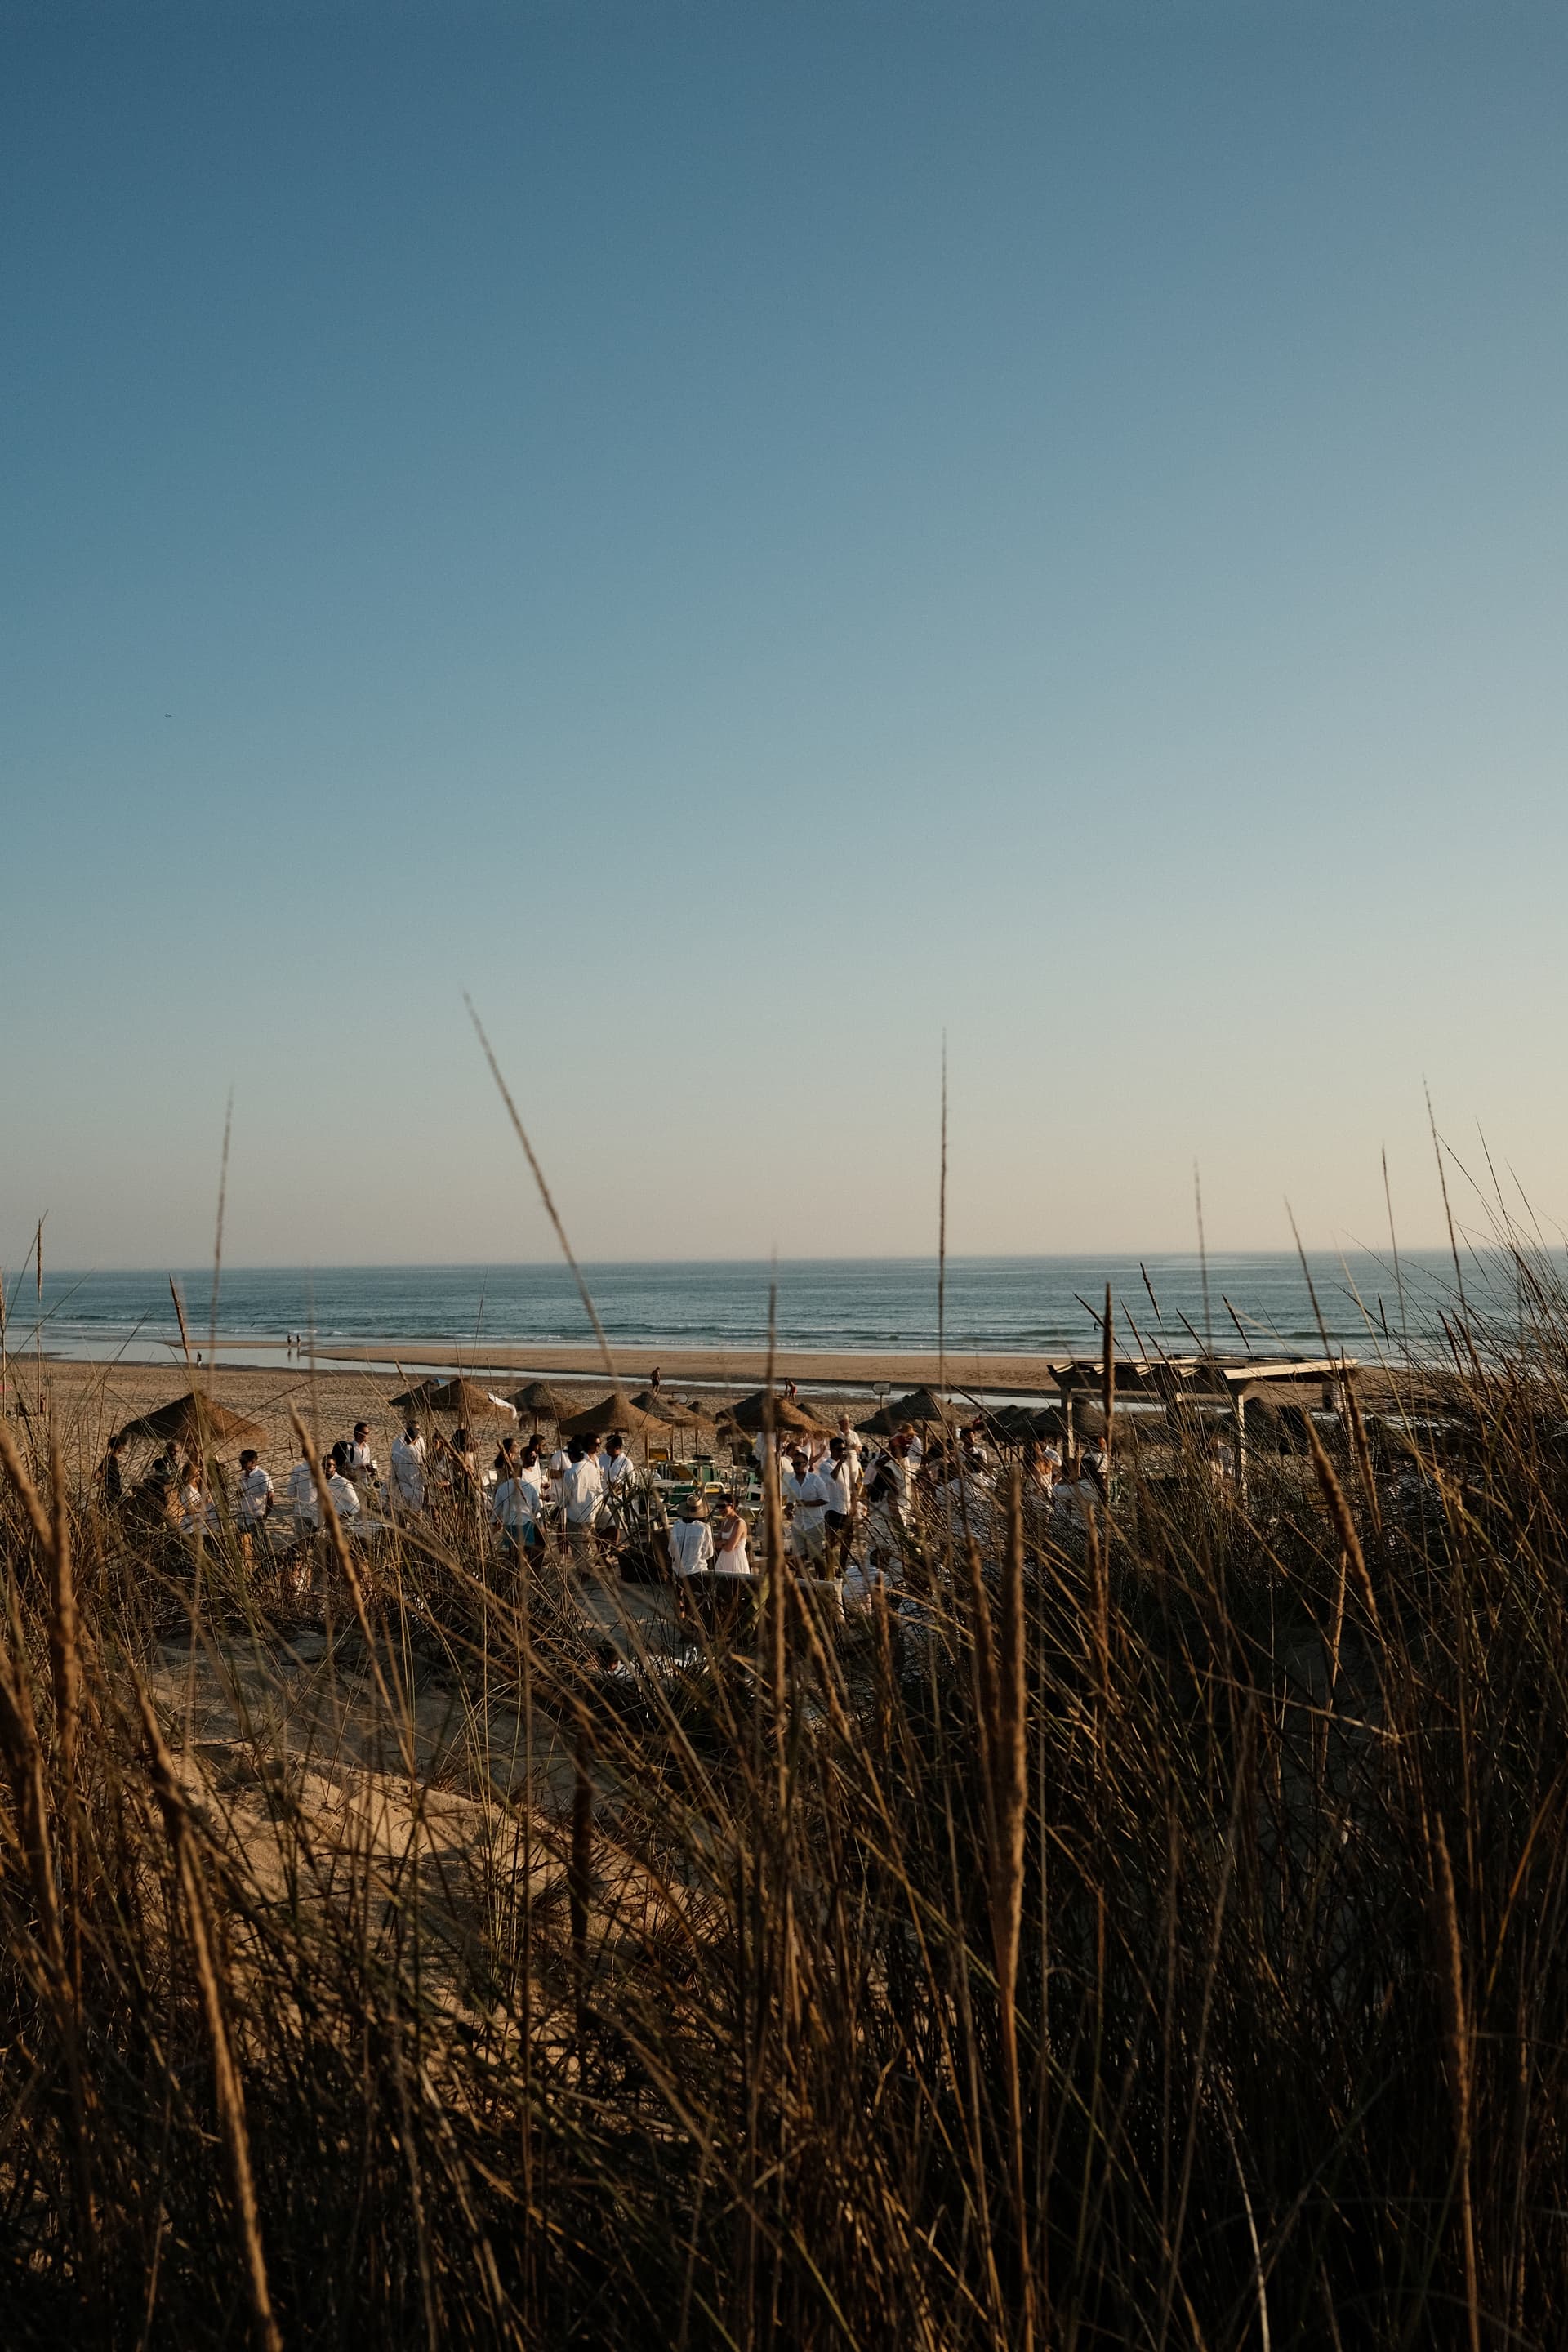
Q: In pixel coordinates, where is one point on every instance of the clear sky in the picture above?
(750, 535)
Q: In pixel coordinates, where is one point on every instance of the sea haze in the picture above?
(1014, 1305)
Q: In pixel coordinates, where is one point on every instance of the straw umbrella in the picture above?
(750, 1414)
(615, 1411)
(921, 1408)
(542, 1402)
(462, 1399)
(192, 1421)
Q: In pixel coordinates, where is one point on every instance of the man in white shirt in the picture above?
(583, 1491)
(345, 1501)
(888, 1493)
(361, 1468)
(517, 1504)
(838, 1477)
(301, 1490)
(253, 1499)
(615, 1468)
(691, 1540)
(408, 1469)
(806, 1495)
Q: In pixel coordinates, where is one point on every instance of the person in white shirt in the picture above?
(691, 1540)
(840, 1478)
(197, 1514)
(914, 1446)
(806, 1495)
(345, 1499)
(362, 1466)
(889, 1491)
(301, 1490)
(615, 1466)
(618, 1479)
(408, 1469)
(583, 1491)
(253, 1501)
(1074, 1500)
(517, 1504)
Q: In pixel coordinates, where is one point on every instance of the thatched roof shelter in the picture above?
(460, 1398)
(541, 1401)
(672, 1412)
(920, 1409)
(195, 1419)
(751, 1414)
(613, 1412)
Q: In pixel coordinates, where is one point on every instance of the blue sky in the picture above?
(748, 537)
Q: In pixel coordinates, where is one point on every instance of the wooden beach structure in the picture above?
(1209, 1387)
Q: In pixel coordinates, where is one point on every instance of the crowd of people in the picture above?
(849, 1512)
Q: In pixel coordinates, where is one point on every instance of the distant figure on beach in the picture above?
(653, 1380)
(108, 1477)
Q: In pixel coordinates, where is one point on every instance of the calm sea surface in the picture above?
(1016, 1305)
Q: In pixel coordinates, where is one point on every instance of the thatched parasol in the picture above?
(613, 1412)
(750, 1414)
(541, 1401)
(459, 1398)
(195, 1419)
(922, 1407)
(661, 1408)
(672, 1412)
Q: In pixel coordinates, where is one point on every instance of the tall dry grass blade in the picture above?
(1456, 2022)
(171, 1805)
(26, 1493)
(25, 1764)
(217, 1236)
(942, 1239)
(65, 1662)
(1344, 1525)
(545, 1192)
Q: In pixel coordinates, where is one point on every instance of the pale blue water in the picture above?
(1016, 1305)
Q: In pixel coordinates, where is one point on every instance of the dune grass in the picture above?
(1157, 1942)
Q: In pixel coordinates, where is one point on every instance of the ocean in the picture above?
(1010, 1305)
